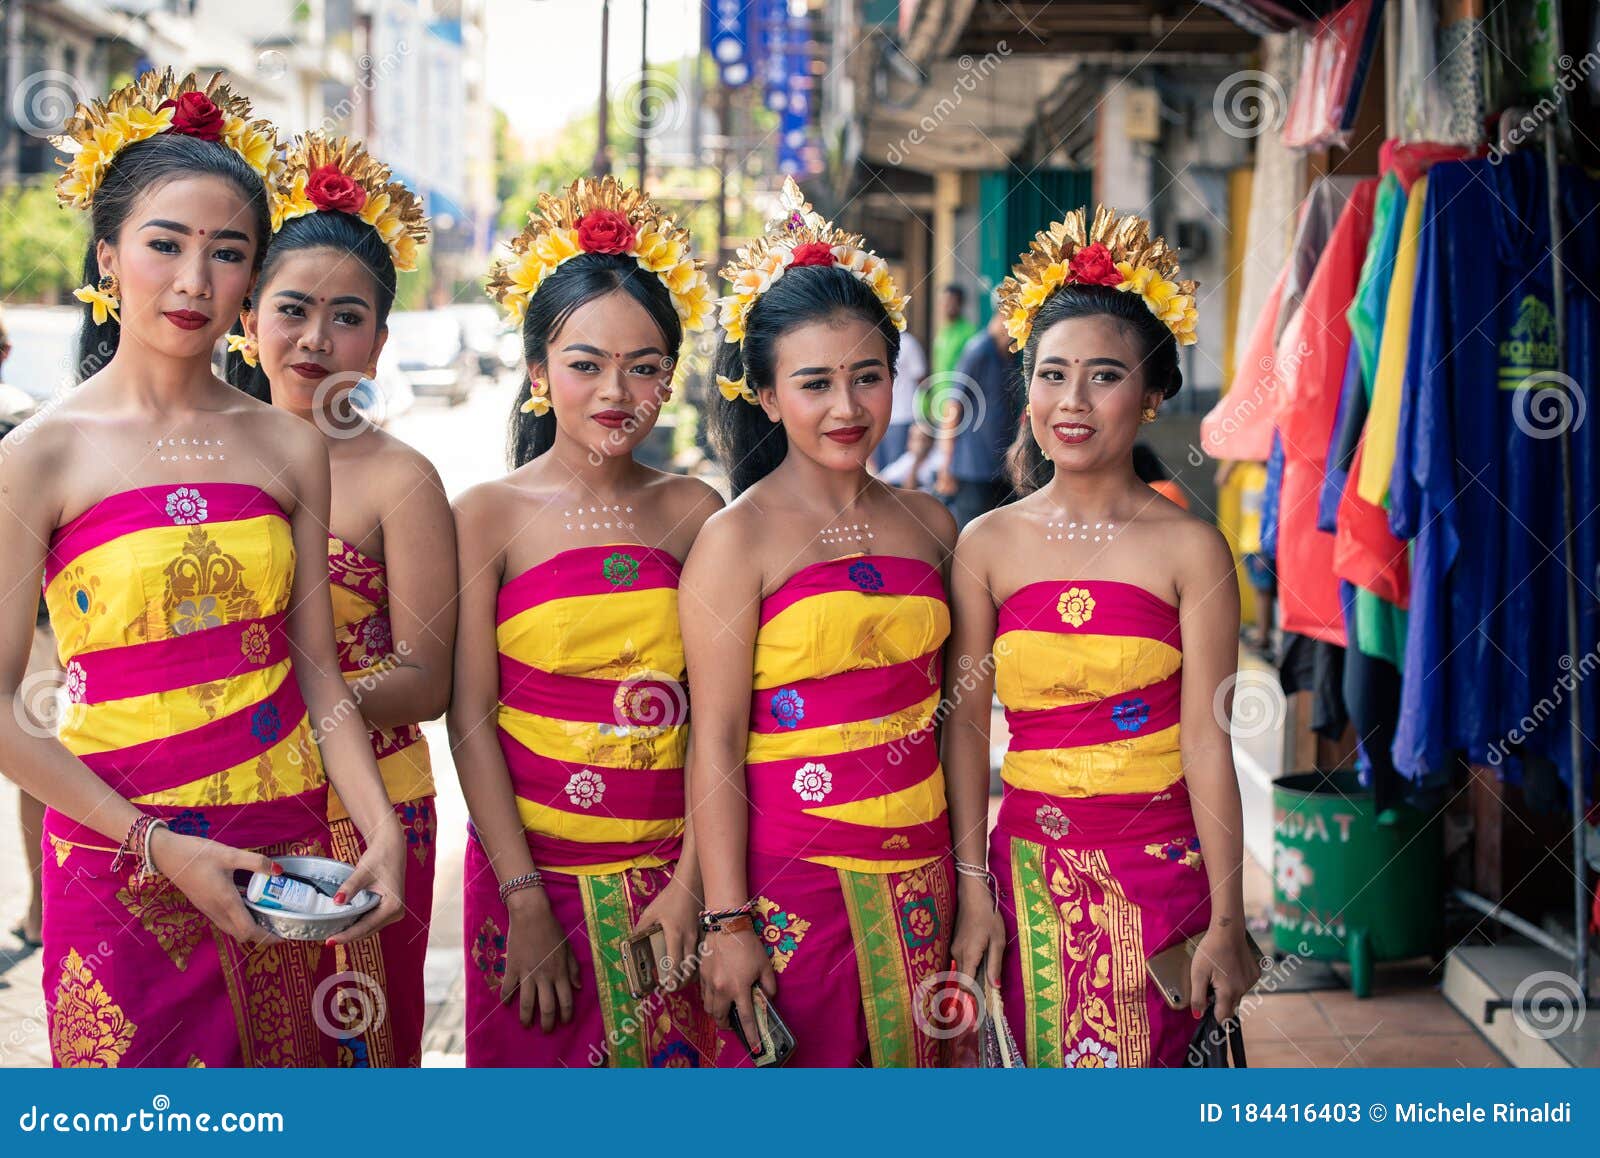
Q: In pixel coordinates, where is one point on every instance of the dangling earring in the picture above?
(246, 347)
(538, 403)
(1027, 411)
(104, 297)
(1149, 414)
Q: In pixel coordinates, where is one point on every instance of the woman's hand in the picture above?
(202, 870)
(382, 868)
(1225, 962)
(677, 911)
(734, 964)
(980, 937)
(539, 961)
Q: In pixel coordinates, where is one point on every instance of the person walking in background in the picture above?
(910, 372)
(955, 329)
(978, 423)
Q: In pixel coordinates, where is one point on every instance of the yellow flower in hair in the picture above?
(1033, 295)
(658, 252)
(556, 247)
(1019, 325)
(244, 346)
(734, 389)
(105, 306)
(1135, 279)
(681, 277)
(696, 306)
(258, 148)
(404, 252)
(377, 205)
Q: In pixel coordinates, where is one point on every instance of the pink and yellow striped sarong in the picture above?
(390, 963)
(1094, 849)
(848, 837)
(593, 723)
(168, 606)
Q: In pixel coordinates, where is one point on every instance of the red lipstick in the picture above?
(848, 435)
(186, 319)
(613, 419)
(310, 370)
(1073, 433)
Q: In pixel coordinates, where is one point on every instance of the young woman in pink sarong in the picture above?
(1107, 619)
(568, 718)
(317, 324)
(814, 619)
(166, 512)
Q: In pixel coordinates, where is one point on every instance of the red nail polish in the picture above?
(277, 869)
(338, 898)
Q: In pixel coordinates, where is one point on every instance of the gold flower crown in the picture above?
(1115, 252)
(323, 174)
(797, 235)
(157, 103)
(602, 215)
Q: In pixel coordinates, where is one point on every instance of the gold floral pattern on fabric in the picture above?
(1184, 850)
(780, 931)
(62, 849)
(83, 600)
(194, 1062)
(1103, 954)
(206, 587)
(255, 644)
(166, 915)
(1076, 606)
(489, 954)
(89, 1029)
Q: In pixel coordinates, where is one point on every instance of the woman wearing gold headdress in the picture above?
(167, 511)
(341, 230)
(814, 620)
(568, 717)
(1112, 620)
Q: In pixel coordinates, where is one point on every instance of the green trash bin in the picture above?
(1346, 887)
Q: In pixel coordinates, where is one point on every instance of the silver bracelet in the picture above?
(528, 880)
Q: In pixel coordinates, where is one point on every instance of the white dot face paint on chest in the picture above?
(845, 533)
(599, 517)
(1073, 531)
(185, 449)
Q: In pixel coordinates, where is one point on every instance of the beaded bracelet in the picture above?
(720, 920)
(977, 870)
(528, 880)
(136, 845)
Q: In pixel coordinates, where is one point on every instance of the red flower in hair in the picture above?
(813, 253)
(1093, 265)
(332, 192)
(605, 231)
(194, 115)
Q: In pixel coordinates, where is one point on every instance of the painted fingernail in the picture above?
(338, 897)
(277, 869)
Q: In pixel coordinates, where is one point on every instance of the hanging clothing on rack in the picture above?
(1477, 479)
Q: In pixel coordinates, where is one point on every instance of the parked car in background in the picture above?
(429, 347)
(482, 325)
(44, 349)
